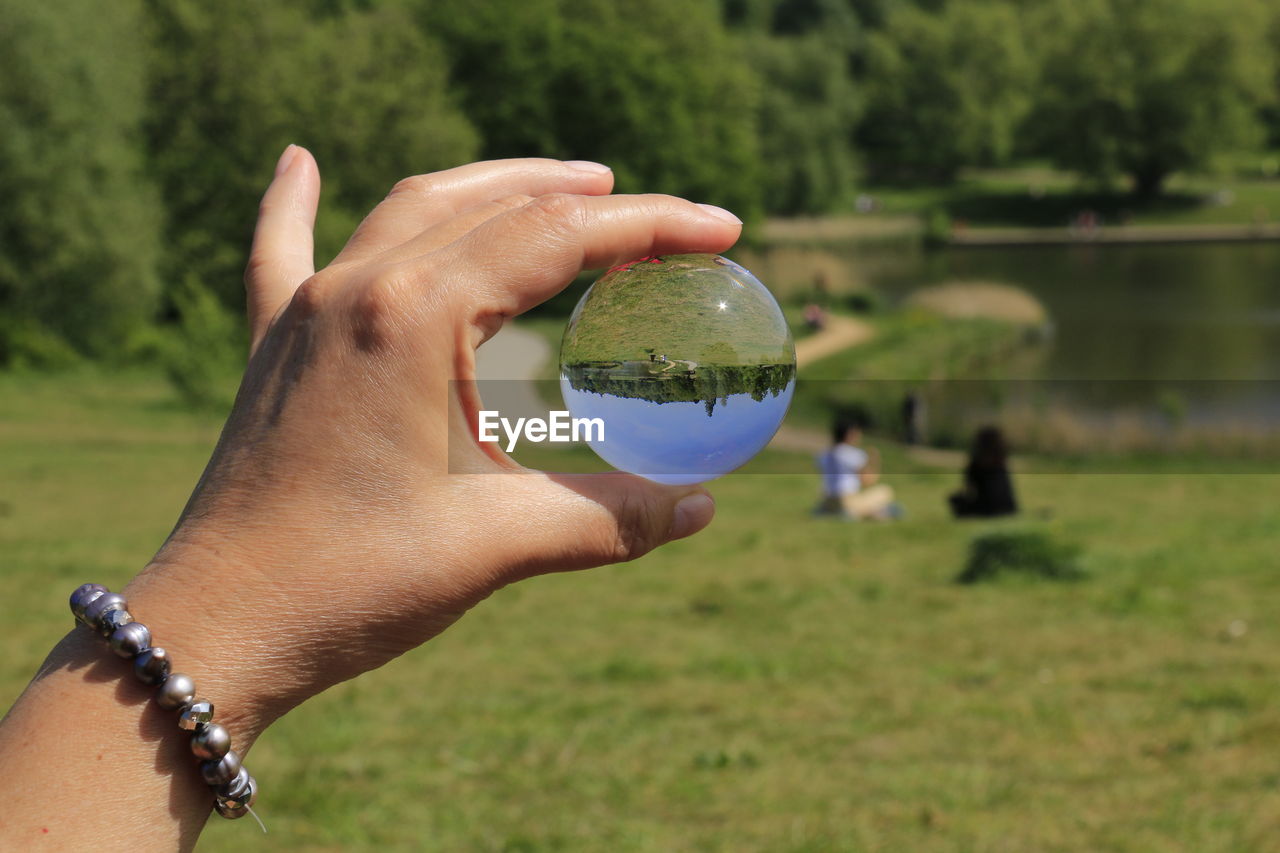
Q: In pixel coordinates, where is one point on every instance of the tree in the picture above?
(1147, 89)
(943, 90)
(808, 112)
(79, 221)
(234, 82)
(802, 52)
(657, 89)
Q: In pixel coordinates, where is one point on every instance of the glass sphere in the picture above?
(685, 359)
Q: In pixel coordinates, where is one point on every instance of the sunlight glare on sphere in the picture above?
(687, 360)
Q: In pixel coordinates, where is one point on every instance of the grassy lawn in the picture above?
(683, 305)
(775, 684)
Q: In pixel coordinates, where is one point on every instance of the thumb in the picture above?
(609, 518)
(282, 256)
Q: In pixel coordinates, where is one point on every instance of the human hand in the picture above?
(332, 530)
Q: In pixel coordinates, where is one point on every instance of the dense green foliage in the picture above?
(79, 241)
(1145, 89)
(233, 83)
(945, 90)
(803, 52)
(705, 384)
(138, 135)
(656, 89)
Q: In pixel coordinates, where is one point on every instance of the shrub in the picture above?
(202, 353)
(1025, 552)
(24, 343)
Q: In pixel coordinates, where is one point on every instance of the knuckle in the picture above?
(379, 309)
(311, 296)
(625, 549)
(258, 268)
(513, 202)
(384, 293)
(632, 536)
(557, 211)
(266, 207)
(419, 185)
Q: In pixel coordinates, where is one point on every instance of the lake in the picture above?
(1128, 312)
(1204, 318)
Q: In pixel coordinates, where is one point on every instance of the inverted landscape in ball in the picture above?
(688, 361)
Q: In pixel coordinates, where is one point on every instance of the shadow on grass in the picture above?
(1029, 553)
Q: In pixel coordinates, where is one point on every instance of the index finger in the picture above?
(527, 255)
(422, 201)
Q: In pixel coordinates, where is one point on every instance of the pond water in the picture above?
(1128, 312)
(1204, 318)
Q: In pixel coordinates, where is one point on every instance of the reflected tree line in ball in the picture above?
(708, 384)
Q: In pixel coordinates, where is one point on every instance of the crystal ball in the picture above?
(687, 362)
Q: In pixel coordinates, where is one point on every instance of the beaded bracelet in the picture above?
(105, 613)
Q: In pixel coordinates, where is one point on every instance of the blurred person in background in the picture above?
(988, 488)
(851, 486)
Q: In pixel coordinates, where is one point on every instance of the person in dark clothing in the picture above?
(988, 488)
(913, 418)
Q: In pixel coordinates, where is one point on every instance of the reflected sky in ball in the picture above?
(679, 443)
(688, 361)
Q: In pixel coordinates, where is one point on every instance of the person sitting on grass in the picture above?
(850, 478)
(988, 488)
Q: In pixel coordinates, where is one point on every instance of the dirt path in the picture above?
(840, 334)
(506, 366)
(513, 353)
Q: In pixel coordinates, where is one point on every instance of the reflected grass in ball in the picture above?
(688, 361)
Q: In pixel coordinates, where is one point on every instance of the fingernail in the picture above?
(588, 166)
(286, 160)
(721, 214)
(693, 513)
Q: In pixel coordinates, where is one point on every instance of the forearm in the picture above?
(87, 756)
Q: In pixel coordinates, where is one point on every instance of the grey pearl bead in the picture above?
(240, 803)
(232, 809)
(152, 665)
(113, 619)
(236, 789)
(177, 691)
(196, 715)
(104, 603)
(229, 811)
(221, 771)
(211, 742)
(84, 596)
(130, 640)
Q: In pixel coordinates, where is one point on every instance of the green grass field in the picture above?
(776, 683)
(681, 306)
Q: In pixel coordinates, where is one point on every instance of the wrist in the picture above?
(191, 597)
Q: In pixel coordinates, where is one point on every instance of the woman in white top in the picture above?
(850, 478)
